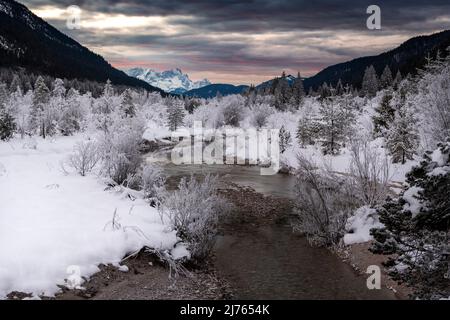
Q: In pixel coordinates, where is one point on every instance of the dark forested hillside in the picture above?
(409, 56)
(28, 41)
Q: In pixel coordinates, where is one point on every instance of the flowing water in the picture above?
(272, 262)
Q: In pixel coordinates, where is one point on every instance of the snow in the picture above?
(412, 203)
(359, 225)
(52, 223)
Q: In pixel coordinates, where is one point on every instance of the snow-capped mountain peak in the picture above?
(173, 80)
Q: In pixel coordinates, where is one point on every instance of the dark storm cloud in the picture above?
(256, 36)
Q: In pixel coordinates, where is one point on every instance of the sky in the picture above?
(240, 42)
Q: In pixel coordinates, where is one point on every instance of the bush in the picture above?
(193, 211)
(152, 182)
(121, 159)
(85, 157)
(323, 203)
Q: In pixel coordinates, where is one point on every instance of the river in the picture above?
(270, 261)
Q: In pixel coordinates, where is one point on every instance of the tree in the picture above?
(416, 229)
(41, 97)
(398, 78)
(307, 130)
(15, 84)
(126, 105)
(402, 139)
(384, 115)
(285, 139)
(370, 82)
(334, 120)
(175, 113)
(298, 91)
(386, 78)
(7, 124)
(282, 93)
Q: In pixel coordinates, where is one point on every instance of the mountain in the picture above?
(28, 41)
(213, 90)
(407, 57)
(173, 81)
(290, 79)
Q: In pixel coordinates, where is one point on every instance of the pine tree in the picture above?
(339, 88)
(384, 115)
(7, 124)
(398, 78)
(15, 84)
(402, 139)
(370, 82)
(307, 131)
(58, 88)
(298, 91)
(41, 98)
(416, 232)
(127, 105)
(284, 139)
(334, 119)
(282, 93)
(386, 78)
(175, 111)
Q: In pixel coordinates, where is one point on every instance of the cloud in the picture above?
(242, 40)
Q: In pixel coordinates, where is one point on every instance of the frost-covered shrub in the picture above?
(259, 114)
(233, 111)
(85, 157)
(152, 181)
(369, 173)
(417, 228)
(323, 203)
(121, 158)
(193, 211)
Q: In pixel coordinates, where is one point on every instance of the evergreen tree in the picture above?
(298, 91)
(59, 89)
(284, 139)
(282, 93)
(7, 124)
(370, 82)
(384, 115)
(339, 88)
(402, 139)
(127, 105)
(41, 97)
(307, 131)
(386, 78)
(334, 119)
(175, 111)
(416, 230)
(398, 78)
(15, 84)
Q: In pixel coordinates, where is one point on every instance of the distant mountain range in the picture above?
(173, 81)
(28, 41)
(213, 90)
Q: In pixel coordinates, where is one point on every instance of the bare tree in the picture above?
(85, 157)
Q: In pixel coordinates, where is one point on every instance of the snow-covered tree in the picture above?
(402, 139)
(384, 115)
(398, 78)
(335, 119)
(370, 82)
(175, 113)
(284, 139)
(71, 115)
(127, 105)
(386, 78)
(41, 97)
(416, 229)
(298, 91)
(282, 93)
(307, 130)
(7, 124)
(104, 106)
